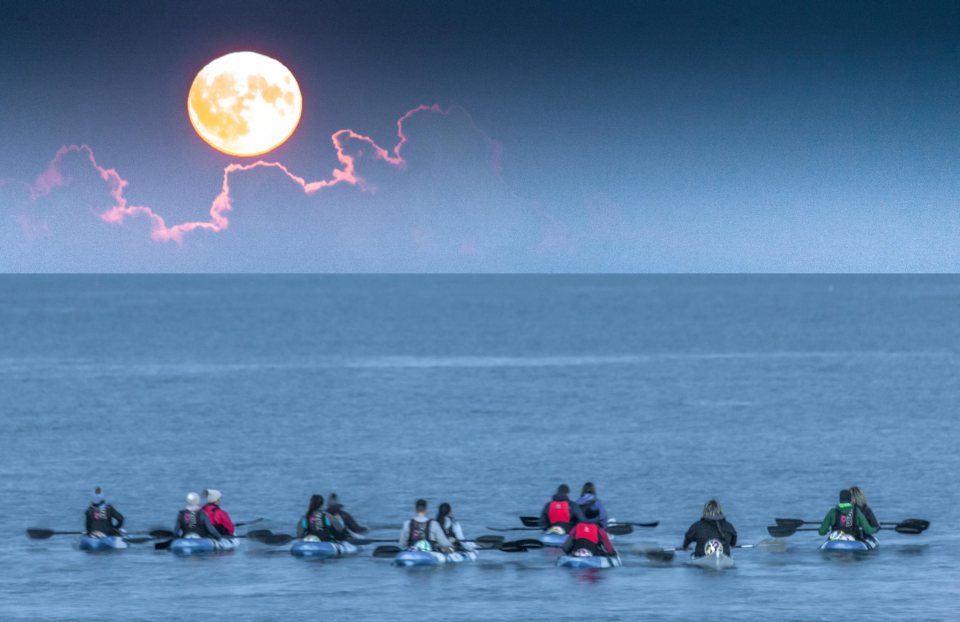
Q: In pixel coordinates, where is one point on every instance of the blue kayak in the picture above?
(101, 543)
(588, 561)
(850, 545)
(406, 559)
(552, 539)
(317, 548)
(194, 546)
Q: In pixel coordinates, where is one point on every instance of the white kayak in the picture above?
(195, 546)
(838, 541)
(101, 543)
(319, 548)
(716, 561)
(589, 561)
(406, 559)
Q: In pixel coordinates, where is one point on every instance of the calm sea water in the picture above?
(768, 392)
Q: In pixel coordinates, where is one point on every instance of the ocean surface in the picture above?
(770, 393)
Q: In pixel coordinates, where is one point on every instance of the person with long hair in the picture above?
(315, 524)
(859, 499)
(711, 532)
(591, 505)
(451, 528)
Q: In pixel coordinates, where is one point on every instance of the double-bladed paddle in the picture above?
(667, 554)
(786, 527)
(37, 533)
(616, 529)
(534, 521)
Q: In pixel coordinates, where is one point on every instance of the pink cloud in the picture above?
(222, 205)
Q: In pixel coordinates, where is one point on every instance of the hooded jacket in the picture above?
(707, 529)
(589, 503)
(576, 514)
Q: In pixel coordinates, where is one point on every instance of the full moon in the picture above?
(244, 104)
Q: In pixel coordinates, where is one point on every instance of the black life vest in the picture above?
(338, 527)
(99, 519)
(189, 522)
(845, 519)
(419, 531)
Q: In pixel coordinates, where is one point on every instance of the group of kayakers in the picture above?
(584, 521)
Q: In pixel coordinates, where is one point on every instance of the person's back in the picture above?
(315, 524)
(711, 533)
(859, 499)
(423, 533)
(845, 521)
(193, 522)
(217, 515)
(560, 514)
(101, 518)
(452, 529)
(342, 525)
(589, 503)
(588, 538)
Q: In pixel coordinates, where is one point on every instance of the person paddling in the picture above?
(342, 525)
(559, 515)
(423, 533)
(589, 538)
(452, 529)
(315, 524)
(218, 516)
(588, 502)
(859, 499)
(193, 522)
(711, 533)
(845, 521)
(102, 519)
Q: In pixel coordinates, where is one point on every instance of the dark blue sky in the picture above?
(666, 136)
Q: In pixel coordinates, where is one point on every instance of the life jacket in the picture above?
(558, 512)
(845, 519)
(447, 526)
(337, 525)
(189, 522)
(318, 524)
(99, 516)
(419, 532)
(586, 536)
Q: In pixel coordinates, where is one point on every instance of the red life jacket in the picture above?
(588, 532)
(558, 512)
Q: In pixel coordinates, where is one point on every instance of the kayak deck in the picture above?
(324, 550)
(869, 544)
(552, 539)
(716, 561)
(101, 543)
(195, 546)
(407, 559)
(589, 561)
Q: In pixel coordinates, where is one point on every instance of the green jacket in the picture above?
(827, 525)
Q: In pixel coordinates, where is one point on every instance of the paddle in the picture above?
(634, 524)
(666, 555)
(618, 529)
(386, 551)
(533, 521)
(907, 525)
(37, 533)
(256, 534)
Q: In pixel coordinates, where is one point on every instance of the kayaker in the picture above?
(342, 525)
(589, 538)
(452, 529)
(845, 521)
(102, 518)
(560, 514)
(315, 524)
(859, 499)
(192, 521)
(218, 516)
(588, 502)
(710, 532)
(423, 533)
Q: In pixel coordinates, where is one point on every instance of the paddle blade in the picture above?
(915, 523)
(137, 539)
(527, 543)
(649, 525)
(386, 551)
(40, 534)
(257, 534)
(249, 522)
(162, 546)
(790, 522)
(275, 539)
(908, 529)
(781, 532)
(661, 555)
(489, 539)
(161, 533)
(363, 541)
(530, 521)
(619, 530)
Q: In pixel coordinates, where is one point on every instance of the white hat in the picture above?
(193, 498)
(213, 495)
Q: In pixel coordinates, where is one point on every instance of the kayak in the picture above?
(317, 548)
(552, 539)
(194, 546)
(102, 543)
(431, 558)
(850, 545)
(717, 561)
(588, 561)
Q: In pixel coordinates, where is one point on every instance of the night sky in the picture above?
(587, 136)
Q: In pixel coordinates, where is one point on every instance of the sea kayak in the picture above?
(552, 539)
(431, 558)
(588, 561)
(844, 544)
(717, 561)
(195, 546)
(317, 548)
(101, 543)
